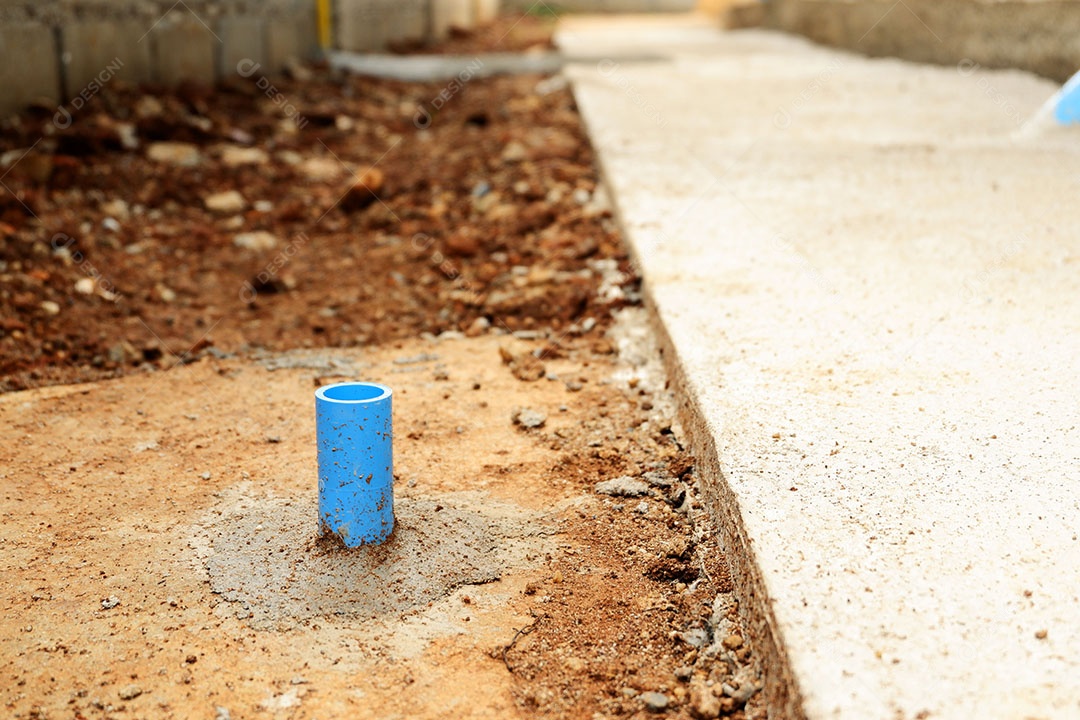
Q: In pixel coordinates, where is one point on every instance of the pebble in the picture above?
(733, 642)
(514, 152)
(703, 704)
(110, 224)
(740, 694)
(478, 327)
(258, 240)
(110, 602)
(229, 201)
(174, 153)
(318, 168)
(50, 307)
(529, 418)
(117, 209)
(624, 486)
(233, 156)
(684, 673)
(654, 701)
(130, 692)
(364, 191)
(463, 244)
(84, 286)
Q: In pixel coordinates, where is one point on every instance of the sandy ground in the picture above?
(161, 561)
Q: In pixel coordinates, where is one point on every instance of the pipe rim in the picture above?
(384, 393)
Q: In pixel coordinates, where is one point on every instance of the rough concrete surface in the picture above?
(439, 543)
(868, 281)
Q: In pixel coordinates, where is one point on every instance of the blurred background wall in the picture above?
(54, 50)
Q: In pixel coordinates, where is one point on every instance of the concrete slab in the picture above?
(448, 14)
(94, 50)
(31, 70)
(294, 38)
(242, 38)
(868, 285)
(184, 48)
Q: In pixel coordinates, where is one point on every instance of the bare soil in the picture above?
(132, 504)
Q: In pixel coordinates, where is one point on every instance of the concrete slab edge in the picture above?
(781, 692)
(782, 696)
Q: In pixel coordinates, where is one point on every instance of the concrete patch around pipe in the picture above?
(261, 556)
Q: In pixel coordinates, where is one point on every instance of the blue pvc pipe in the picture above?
(354, 432)
(1067, 105)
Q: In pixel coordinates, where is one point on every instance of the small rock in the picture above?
(166, 293)
(148, 106)
(110, 224)
(50, 307)
(364, 191)
(110, 602)
(703, 704)
(233, 156)
(229, 201)
(684, 673)
(259, 240)
(116, 208)
(478, 327)
(659, 479)
(514, 152)
(174, 153)
(319, 168)
(740, 694)
(524, 366)
(463, 244)
(85, 286)
(222, 713)
(733, 642)
(528, 418)
(654, 701)
(130, 692)
(624, 486)
(205, 475)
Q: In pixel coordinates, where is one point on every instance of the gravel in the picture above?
(654, 701)
(624, 486)
(529, 418)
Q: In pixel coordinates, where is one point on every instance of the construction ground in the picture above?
(734, 376)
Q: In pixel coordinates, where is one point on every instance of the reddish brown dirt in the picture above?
(489, 186)
(128, 465)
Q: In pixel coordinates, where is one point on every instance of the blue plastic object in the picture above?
(354, 432)
(1067, 108)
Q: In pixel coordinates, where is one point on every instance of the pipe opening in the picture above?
(353, 392)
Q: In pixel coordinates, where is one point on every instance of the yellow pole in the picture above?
(322, 11)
